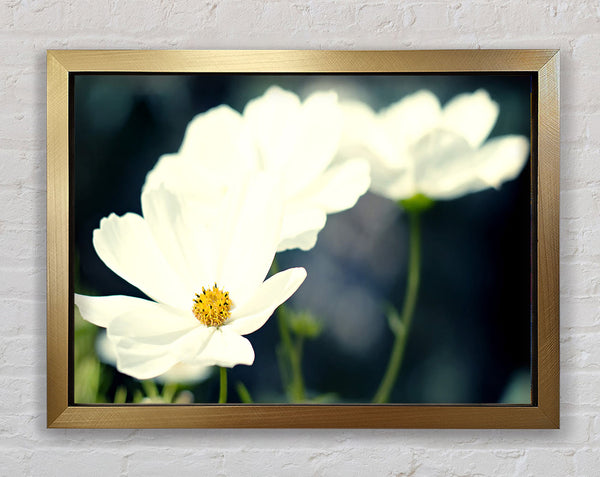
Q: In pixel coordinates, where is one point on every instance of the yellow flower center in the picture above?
(212, 307)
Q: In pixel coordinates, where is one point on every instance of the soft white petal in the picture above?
(301, 224)
(102, 310)
(183, 236)
(159, 336)
(455, 185)
(190, 179)
(226, 349)
(363, 136)
(152, 323)
(179, 373)
(409, 119)
(339, 187)
(304, 241)
(314, 142)
(398, 186)
(250, 232)
(273, 120)
(502, 159)
(144, 366)
(471, 115)
(442, 158)
(185, 373)
(125, 244)
(272, 293)
(219, 140)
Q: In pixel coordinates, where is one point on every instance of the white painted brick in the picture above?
(580, 203)
(579, 312)
(15, 461)
(580, 351)
(18, 168)
(165, 461)
(380, 17)
(22, 317)
(580, 279)
(587, 462)
(22, 354)
(92, 463)
(43, 16)
(579, 92)
(547, 462)
(19, 391)
(580, 167)
(580, 388)
(332, 16)
(585, 52)
(593, 128)
(470, 462)
(431, 17)
(23, 283)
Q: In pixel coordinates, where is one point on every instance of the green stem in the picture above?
(169, 391)
(244, 393)
(410, 300)
(295, 388)
(223, 386)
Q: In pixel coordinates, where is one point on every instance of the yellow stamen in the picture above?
(212, 307)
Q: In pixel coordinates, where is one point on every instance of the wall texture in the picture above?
(29, 28)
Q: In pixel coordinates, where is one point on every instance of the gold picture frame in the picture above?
(543, 65)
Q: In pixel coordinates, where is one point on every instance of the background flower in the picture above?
(416, 146)
(172, 254)
(280, 134)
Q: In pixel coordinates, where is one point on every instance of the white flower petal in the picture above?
(272, 293)
(472, 116)
(363, 136)
(101, 310)
(409, 119)
(182, 235)
(301, 226)
(226, 349)
(152, 323)
(125, 244)
(144, 366)
(339, 187)
(304, 241)
(179, 373)
(442, 158)
(248, 239)
(190, 179)
(314, 142)
(185, 374)
(219, 140)
(272, 119)
(502, 159)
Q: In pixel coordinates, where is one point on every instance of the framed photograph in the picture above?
(303, 239)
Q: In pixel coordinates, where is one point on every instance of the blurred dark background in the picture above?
(470, 340)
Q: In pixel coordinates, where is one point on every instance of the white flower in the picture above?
(416, 146)
(179, 373)
(276, 133)
(204, 271)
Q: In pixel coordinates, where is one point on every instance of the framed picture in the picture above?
(302, 239)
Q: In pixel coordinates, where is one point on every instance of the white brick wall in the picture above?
(29, 28)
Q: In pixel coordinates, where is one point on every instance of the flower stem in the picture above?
(168, 392)
(295, 388)
(223, 386)
(289, 356)
(244, 393)
(410, 300)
